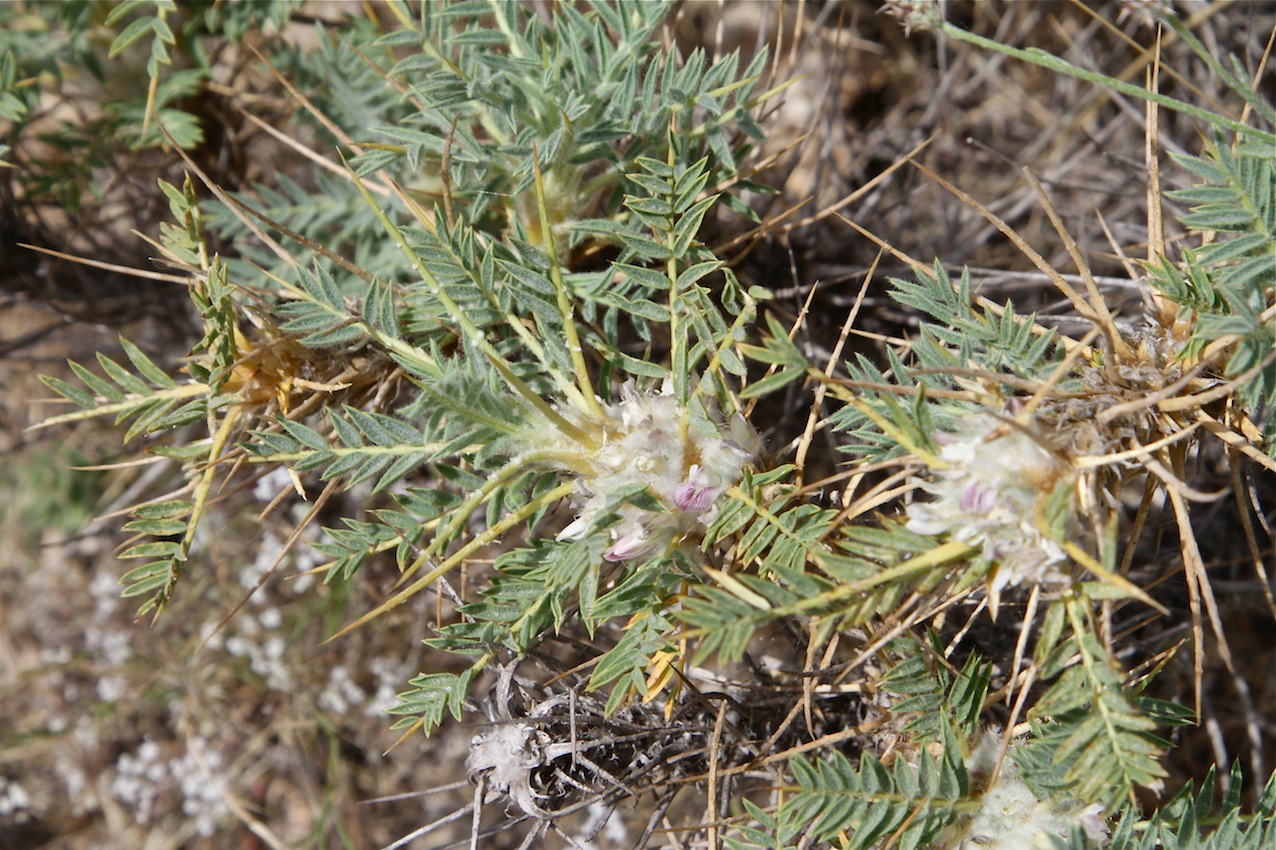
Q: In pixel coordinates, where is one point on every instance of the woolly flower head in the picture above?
(988, 496)
(1011, 817)
(649, 451)
(1148, 13)
(920, 15)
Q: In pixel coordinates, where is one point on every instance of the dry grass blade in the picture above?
(295, 536)
(835, 357)
(111, 267)
(1079, 302)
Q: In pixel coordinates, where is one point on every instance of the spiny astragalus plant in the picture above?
(493, 324)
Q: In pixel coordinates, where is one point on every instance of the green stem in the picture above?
(502, 23)
(678, 343)
(494, 533)
(1251, 97)
(460, 515)
(586, 400)
(471, 332)
(345, 451)
(940, 556)
(406, 355)
(1046, 60)
(714, 369)
(729, 116)
(521, 330)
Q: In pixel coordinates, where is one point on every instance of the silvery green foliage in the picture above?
(493, 322)
(60, 40)
(1221, 286)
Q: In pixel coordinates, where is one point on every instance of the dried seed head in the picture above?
(504, 757)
